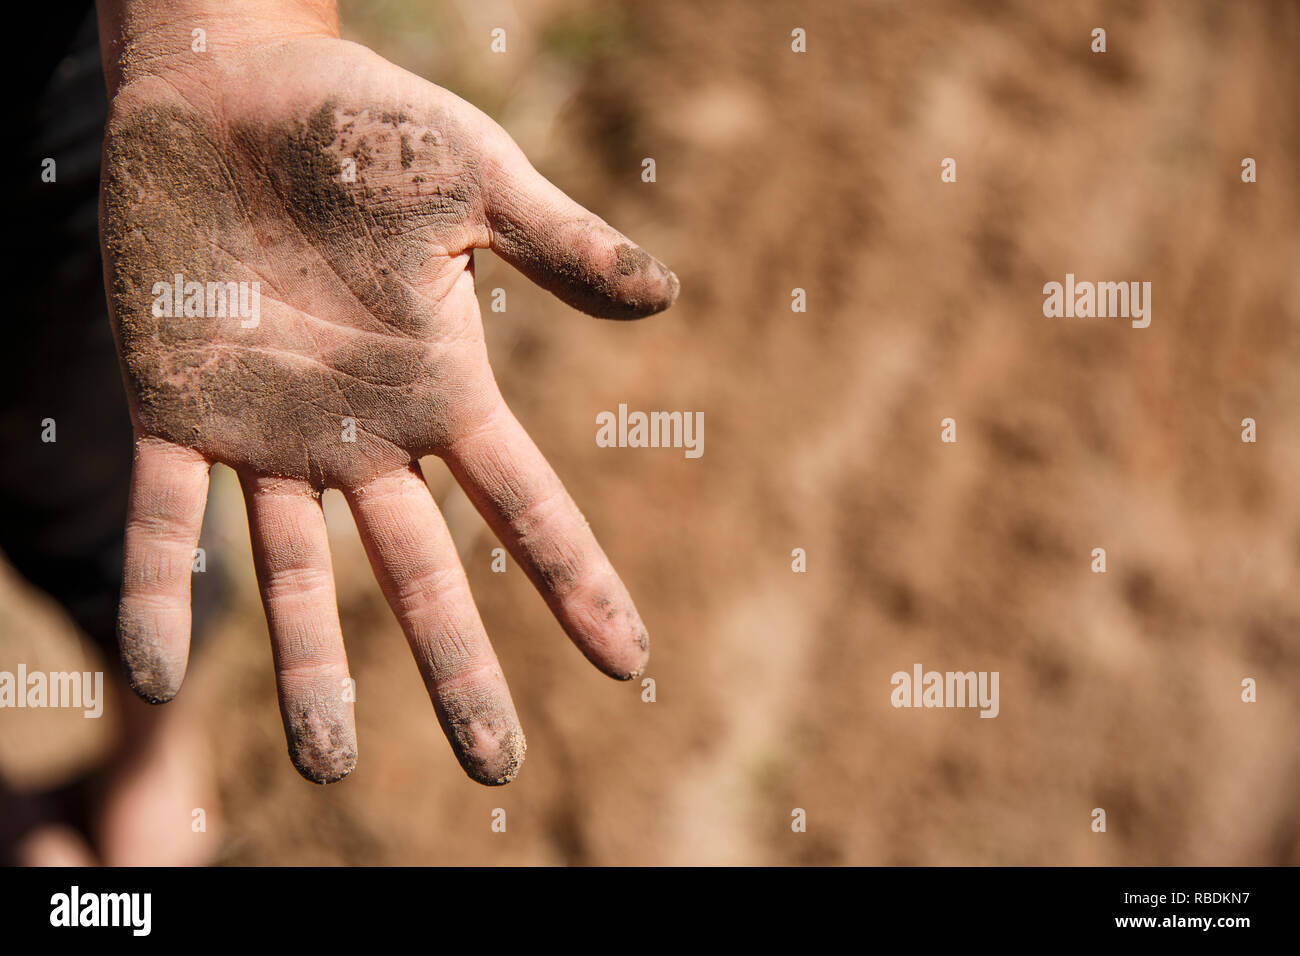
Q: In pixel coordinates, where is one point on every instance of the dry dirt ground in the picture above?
(778, 170)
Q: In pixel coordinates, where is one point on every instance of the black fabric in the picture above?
(62, 503)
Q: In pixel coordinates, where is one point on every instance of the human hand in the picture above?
(233, 167)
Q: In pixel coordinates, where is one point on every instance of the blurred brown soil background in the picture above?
(821, 171)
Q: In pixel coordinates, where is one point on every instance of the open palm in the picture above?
(288, 243)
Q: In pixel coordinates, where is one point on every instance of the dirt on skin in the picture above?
(771, 689)
(173, 206)
(321, 742)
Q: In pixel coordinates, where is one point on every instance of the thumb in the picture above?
(566, 249)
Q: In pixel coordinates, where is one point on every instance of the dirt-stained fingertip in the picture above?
(493, 761)
(153, 676)
(596, 270)
(643, 659)
(623, 654)
(322, 753)
(637, 287)
(645, 285)
(323, 772)
(606, 627)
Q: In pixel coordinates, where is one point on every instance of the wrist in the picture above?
(148, 37)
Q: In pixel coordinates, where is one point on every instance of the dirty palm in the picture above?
(349, 195)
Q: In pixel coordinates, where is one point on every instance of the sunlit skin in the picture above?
(354, 194)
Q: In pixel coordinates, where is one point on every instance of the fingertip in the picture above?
(320, 729)
(323, 772)
(607, 628)
(629, 657)
(640, 285)
(494, 761)
(322, 751)
(637, 671)
(155, 676)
